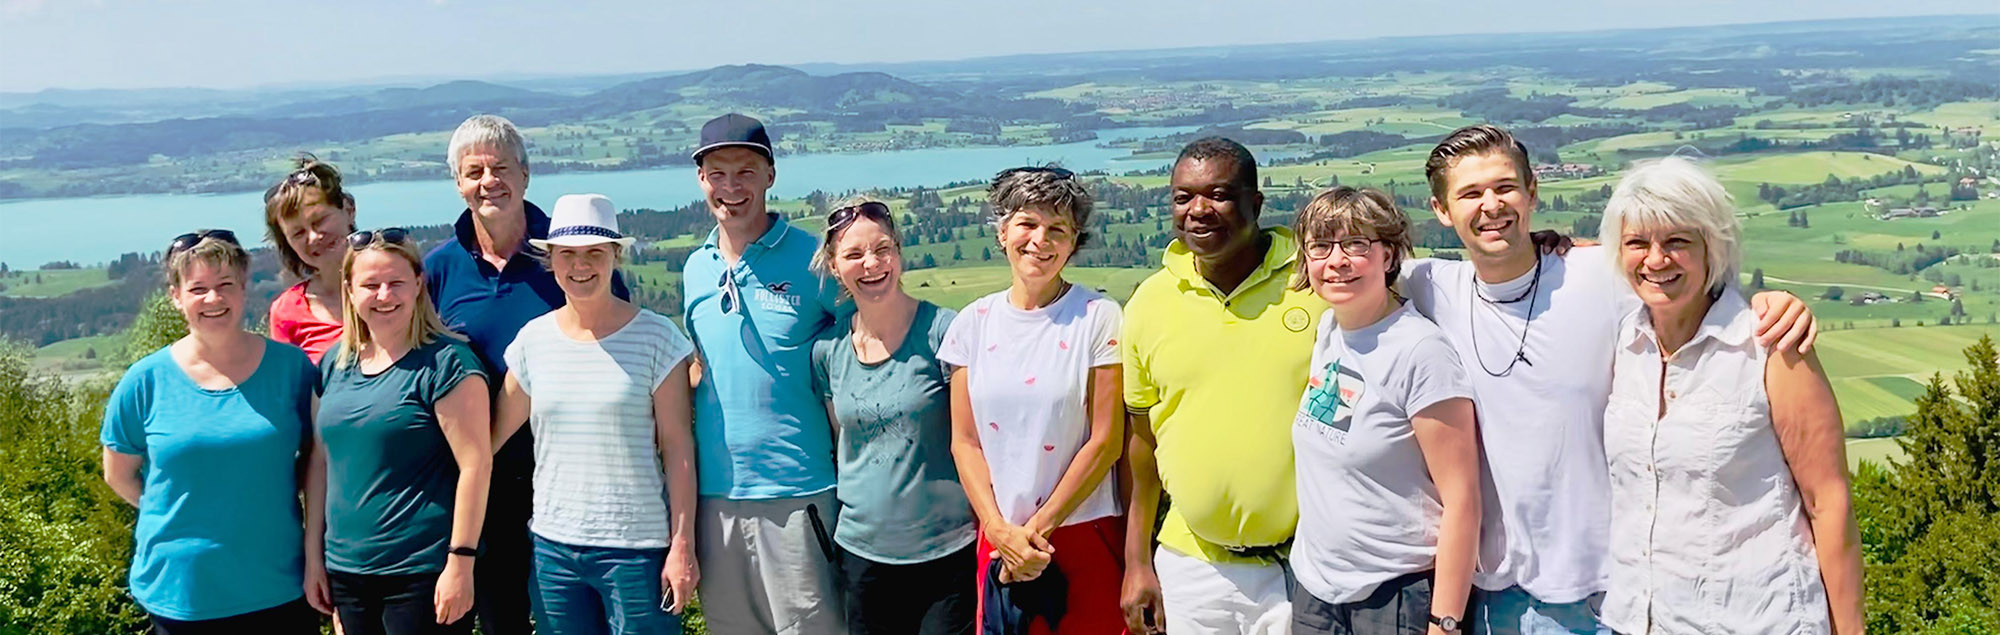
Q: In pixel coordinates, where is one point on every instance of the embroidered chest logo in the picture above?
(777, 296)
(1296, 319)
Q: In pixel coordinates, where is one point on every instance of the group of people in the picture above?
(1296, 428)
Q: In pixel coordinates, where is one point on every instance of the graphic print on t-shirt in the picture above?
(1327, 408)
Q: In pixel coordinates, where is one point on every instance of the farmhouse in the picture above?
(1909, 212)
(1566, 170)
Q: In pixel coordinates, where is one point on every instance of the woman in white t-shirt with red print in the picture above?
(1384, 441)
(1036, 416)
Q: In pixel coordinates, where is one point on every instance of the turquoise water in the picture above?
(98, 229)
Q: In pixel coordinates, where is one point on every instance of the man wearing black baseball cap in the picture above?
(764, 526)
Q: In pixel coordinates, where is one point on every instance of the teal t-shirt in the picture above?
(900, 500)
(390, 474)
(219, 530)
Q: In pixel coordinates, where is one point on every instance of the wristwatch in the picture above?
(1447, 624)
(469, 552)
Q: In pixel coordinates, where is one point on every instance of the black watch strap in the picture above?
(469, 552)
(1447, 624)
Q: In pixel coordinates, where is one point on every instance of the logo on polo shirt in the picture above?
(777, 296)
(1297, 319)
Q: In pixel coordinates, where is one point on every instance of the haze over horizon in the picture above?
(234, 44)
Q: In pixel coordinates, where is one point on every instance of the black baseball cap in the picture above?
(734, 130)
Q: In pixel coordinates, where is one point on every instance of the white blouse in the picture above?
(1708, 534)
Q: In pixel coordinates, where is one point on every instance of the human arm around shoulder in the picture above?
(1807, 421)
(1784, 322)
(673, 416)
(463, 414)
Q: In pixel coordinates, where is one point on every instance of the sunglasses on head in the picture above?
(845, 216)
(362, 239)
(1059, 172)
(188, 240)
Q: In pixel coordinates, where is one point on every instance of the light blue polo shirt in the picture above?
(760, 432)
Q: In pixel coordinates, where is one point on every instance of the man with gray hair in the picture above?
(487, 284)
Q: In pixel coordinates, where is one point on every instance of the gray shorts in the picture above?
(1401, 606)
(764, 567)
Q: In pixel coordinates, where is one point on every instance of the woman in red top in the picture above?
(307, 215)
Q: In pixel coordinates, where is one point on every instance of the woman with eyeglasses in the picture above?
(1037, 420)
(905, 532)
(205, 436)
(604, 386)
(1386, 452)
(305, 217)
(396, 485)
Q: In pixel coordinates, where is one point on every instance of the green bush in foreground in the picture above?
(1927, 525)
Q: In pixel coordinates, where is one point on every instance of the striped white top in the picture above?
(598, 479)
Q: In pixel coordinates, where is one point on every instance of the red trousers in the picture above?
(1091, 556)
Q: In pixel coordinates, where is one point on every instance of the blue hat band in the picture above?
(585, 230)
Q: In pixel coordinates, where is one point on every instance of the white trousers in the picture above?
(1222, 598)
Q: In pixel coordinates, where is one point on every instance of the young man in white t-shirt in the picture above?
(1536, 334)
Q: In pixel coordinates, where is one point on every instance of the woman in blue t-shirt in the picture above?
(905, 533)
(398, 478)
(204, 437)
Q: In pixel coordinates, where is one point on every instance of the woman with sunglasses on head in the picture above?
(305, 217)
(397, 482)
(1037, 420)
(205, 436)
(1384, 441)
(604, 386)
(905, 532)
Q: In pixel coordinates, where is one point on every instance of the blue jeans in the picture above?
(1512, 611)
(600, 590)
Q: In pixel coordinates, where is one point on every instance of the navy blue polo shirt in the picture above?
(489, 306)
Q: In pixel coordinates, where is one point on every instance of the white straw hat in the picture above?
(583, 219)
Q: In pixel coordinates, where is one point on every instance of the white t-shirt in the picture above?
(598, 479)
(1029, 378)
(1546, 514)
(1368, 510)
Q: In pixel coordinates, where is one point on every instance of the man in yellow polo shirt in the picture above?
(1216, 347)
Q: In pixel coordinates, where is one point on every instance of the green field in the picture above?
(52, 282)
(1812, 167)
(1878, 372)
(1878, 450)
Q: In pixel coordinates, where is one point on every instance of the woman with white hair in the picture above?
(604, 385)
(1731, 509)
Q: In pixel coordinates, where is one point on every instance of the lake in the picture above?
(99, 229)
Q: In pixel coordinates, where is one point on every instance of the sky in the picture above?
(246, 43)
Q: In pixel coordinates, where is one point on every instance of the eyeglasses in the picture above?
(188, 240)
(1059, 172)
(1353, 246)
(845, 216)
(362, 239)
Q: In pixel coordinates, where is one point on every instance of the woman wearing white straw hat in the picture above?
(604, 386)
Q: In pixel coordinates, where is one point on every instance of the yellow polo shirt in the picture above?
(1221, 376)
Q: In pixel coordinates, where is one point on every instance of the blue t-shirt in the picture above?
(391, 478)
(219, 529)
(900, 501)
(489, 306)
(759, 431)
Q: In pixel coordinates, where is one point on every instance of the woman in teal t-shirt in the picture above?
(400, 473)
(204, 437)
(905, 533)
